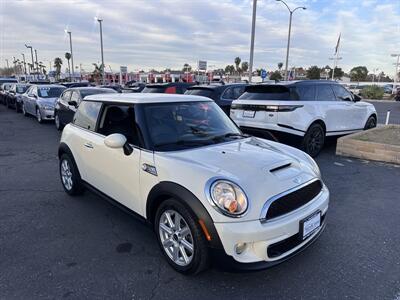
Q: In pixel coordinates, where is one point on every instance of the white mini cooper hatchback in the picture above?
(208, 190)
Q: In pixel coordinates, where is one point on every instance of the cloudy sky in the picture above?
(144, 34)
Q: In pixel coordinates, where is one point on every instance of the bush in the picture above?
(372, 92)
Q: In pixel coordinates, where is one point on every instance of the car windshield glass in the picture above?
(22, 89)
(269, 92)
(88, 92)
(50, 92)
(158, 89)
(185, 125)
(199, 92)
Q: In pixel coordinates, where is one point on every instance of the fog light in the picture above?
(240, 247)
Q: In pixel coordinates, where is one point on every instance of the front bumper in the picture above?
(264, 238)
(47, 114)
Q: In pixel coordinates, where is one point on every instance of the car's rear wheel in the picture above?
(314, 140)
(371, 123)
(57, 121)
(181, 238)
(17, 108)
(70, 177)
(38, 115)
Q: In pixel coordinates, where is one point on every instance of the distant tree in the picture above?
(186, 68)
(230, 69)
(245, 66)
(275, 76)
(339, 73)
(237, 63)
(97, 72)
(359, 73)
(6, 71)
(57, 66)
(68, 57)
(314, 73)
(280, 65)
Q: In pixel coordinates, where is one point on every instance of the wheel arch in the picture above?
(320, 122)
(64, 149)
(166, 190)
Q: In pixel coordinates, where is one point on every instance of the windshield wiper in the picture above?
(184, 143)
(228, 135)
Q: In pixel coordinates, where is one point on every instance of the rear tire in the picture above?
(23, 110)
(371, 123)
(70, 177)
(313, 140)
(178, 233)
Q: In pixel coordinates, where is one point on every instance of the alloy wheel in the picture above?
(315, 141)
(66, 175)
(176, 237)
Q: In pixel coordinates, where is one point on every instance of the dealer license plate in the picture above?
(310, 224)
(249, 113)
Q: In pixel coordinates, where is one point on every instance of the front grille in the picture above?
(294, 200)
(288, 244)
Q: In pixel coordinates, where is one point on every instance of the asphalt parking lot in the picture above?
(55, 246)
(382, 108)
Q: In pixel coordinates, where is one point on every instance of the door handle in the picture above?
(88, 145)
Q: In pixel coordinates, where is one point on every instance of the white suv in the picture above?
(309, 109)
(208, 190)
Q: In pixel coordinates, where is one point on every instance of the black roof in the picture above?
(216, 86)
(88, 88)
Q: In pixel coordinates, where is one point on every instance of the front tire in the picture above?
(23, 110)
(313, 140)
(70, 177)
(57, 122)
(180, 238)
(371, 123)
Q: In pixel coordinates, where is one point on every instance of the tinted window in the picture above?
(306, 92)
(238, 91)
(88, 92)
(50, 92)
(269, 92)
(160, 89)
(325, 93)
(342, 93)
(22, 89)
(86, 115)
(228, 94)
(66, 96)
(200, 92)
(75, 97)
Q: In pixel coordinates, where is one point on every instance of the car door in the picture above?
(355, 112)
(120, 173)
(62, 106)
(31, 100)
(71, 109)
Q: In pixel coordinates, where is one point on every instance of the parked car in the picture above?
(310, 109)
(4, 88)
(136, 87)
(208, 190)
(223, 94)
(39, 101)
(75, 84)
(116, 87)
(14, 97)
(167, 88)
(69, 101)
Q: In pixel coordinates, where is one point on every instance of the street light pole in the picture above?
(101, 45)
(72, 55)
(396, 70)
(7, 63)
(33, 63)
(289, 33)
(253, 33)
(37, 65)
(23, 57)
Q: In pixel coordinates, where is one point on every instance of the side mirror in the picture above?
(117, 140)
(72, 103)
(32, 96)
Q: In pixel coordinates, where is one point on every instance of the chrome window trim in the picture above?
(268, 203)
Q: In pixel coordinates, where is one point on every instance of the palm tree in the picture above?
(280, 65)
(237, 63)
(97, 72)
(57, 66)
(245, 66)
(186, 68)
(68, 57)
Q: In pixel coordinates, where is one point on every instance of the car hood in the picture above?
(261, 168)
(48, 101)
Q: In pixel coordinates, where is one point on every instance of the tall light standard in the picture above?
(396, 70)
(37, 65)
(101, 45)
(253, 33)
(7, 63)
(290, 29)
(70, 47)
(23, 57)
(30, 47)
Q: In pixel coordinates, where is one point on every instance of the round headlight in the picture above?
(228, 198)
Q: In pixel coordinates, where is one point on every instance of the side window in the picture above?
(75, 97)
(86, 115)
(228, 94)
(306, 92)
(65, 97)
(325, 93)
(238, 91)
(342, 93)
(119, 119)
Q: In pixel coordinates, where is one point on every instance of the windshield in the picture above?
(50, 92)
(158, 89)
(199, 92)
(185, 125)
(88, 92)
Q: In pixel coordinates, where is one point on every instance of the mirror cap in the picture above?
(115, 140)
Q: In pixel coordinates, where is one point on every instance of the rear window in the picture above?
(269, 92)
(22, 88)
(88, 92)
(158, 89)
(86, 115)
(199, 92)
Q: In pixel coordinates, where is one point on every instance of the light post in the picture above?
(7, 63)
(396, 70)
(290, 29)
(37, 65)
(70, 47)
(30, 47)
(253, 33)
(101, 45)
(23, 58)
(335, 62)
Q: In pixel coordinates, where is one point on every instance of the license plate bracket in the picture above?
(249, 113)
(310, 225)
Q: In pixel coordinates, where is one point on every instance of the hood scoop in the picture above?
(284, 166)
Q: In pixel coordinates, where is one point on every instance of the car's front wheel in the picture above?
(181, 238)
(39, 115)
(371, 123)
(70, 177)
(57, 121)
(314, 140)
(23, 110)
